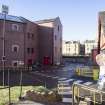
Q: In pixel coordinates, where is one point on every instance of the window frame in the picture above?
(30, 50)
(58, 28)
(15, 61)
(30, 35)
(15, 46)
(15, 27)
(55, 37)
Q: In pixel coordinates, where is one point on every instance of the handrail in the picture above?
(92, 72)
(15, 68)
(93, 90)
(61, 87)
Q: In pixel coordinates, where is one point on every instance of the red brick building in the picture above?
(28, 42)
(20, 41)
(50, 41)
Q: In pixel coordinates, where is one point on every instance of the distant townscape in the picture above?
(76, 52)
(75, 48)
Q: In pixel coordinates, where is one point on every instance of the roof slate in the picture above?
(45, 21)
(12, 18)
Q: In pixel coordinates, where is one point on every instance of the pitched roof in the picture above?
(13, 18)
(45, 21)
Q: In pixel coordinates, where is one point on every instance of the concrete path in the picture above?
(36, 103)
(27, 103)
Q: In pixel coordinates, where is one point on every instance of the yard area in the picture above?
(29, 82)
(40, 93)
(15, 93)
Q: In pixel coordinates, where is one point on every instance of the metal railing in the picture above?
(26, 68)
(92, 72)
(63, 88)
(87, 94)
(84, 71)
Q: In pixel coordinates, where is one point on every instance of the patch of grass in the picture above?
(15, 92)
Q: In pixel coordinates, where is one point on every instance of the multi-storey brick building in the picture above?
(20, 40)
(50, 41)
(23, 41)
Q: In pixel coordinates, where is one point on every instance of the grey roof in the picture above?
(90, 41)
(67, 42)
(13, 18)
(45, 21)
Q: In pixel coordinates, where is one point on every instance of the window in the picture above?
(29, 62)
(15, 63)
(15, 48)
(60, 49)
(15, 27)
(87, 49)
(30, 50)
(58, 28)
(30, 35)
(55, 37)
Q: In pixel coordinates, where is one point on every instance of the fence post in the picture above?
(9, 87)
(73, 86)
(20, 97)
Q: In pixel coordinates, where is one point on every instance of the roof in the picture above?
(13, 18)
(45, 21)
(71, 42)
(102, 12)
(90, 41)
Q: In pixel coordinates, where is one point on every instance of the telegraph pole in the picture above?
(4, 12)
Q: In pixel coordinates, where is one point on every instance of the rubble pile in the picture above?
(42, 96)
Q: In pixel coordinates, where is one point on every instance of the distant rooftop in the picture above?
(67, 42)
(102, 12)
(90, 41)
(45, 21)
(13, 18)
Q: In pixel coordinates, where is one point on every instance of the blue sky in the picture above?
(79, 17)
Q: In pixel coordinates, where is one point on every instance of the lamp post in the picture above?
(4, 12)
